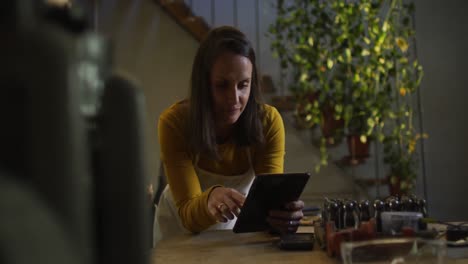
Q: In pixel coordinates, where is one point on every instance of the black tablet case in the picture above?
(268, 191)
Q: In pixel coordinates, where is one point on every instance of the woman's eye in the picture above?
(243, 85)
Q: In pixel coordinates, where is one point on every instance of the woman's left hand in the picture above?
(286, 220)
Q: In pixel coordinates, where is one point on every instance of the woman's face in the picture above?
(231, 77)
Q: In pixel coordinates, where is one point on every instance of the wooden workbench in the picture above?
(225, 247)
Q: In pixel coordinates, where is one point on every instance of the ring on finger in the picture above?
(220, 206)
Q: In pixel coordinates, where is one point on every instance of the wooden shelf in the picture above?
(371, 182)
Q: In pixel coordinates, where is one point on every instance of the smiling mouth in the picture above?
(232, 110)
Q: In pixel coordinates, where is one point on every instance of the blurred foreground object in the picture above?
(71, 158)
(394, 250)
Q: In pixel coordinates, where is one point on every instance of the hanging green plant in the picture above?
(355, 57)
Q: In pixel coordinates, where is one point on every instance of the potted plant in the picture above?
(400, 137)
(354, 56)
(302, 44)
(400, 155)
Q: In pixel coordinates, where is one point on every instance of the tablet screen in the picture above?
(268, 191)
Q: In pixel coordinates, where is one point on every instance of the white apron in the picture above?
(167, 222)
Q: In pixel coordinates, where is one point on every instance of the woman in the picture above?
(214, 143)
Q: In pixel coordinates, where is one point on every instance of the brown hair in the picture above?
(248, 128)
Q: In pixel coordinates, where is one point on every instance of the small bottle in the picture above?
(350, 216)
(332, 212)
(364, 211)
(407, 204)
(414, 203)
(340, 213)
(325, 210)
(422, 207)
(392, 204)
(379, 207)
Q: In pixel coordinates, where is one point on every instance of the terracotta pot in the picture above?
(394, 188)
(312, 97)
(356, 148)
(331, 128)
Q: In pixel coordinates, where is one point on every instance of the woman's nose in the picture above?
(232, 94)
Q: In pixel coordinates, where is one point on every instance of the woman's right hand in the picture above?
(225, 203)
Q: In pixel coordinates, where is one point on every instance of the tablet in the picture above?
(268, 191)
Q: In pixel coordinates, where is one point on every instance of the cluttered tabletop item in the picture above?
(391, 224)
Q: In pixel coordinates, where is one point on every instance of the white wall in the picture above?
(442, 35)
(157, 52)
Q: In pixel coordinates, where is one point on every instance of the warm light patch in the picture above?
(402, 44)
(402, 91)
(59, 2)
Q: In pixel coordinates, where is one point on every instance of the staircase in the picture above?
(301, 154)
(184, 16)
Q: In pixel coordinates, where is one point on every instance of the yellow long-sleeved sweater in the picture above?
(190, 199)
